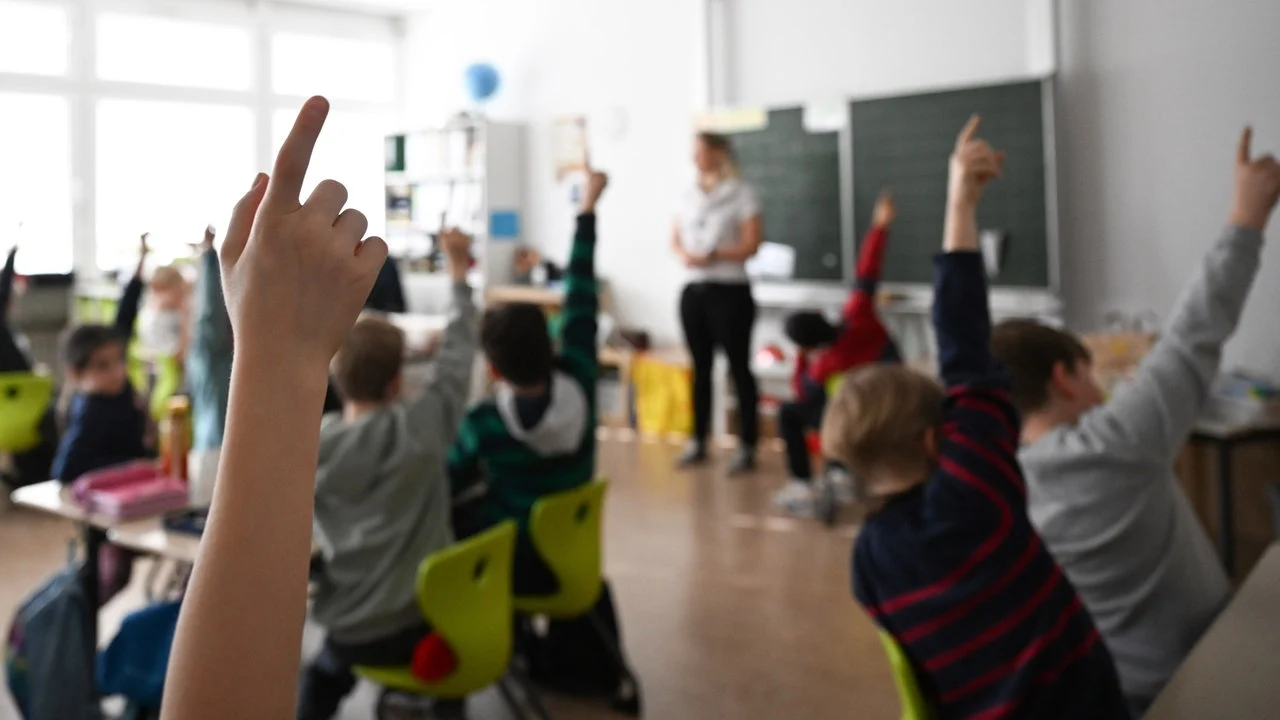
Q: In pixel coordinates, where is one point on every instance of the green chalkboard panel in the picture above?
(796, 173)
(904, 142)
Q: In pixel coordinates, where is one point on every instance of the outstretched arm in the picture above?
(127, 310)
(435, 414)
(6, 283)
(1158, 409)
(581, 292)
(296, 277)
(863, 337)
(213, 325)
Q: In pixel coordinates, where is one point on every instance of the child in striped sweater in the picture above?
(948, 563)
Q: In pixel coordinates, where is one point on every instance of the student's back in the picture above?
(382, 496)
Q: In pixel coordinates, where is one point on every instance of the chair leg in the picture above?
(509, 696)
(531, 694)
(628, 698)
(148, 585)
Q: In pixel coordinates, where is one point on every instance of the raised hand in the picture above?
(296, 274)
(885, 211)
(457, 249)
(207, 243)
(596, 183)
(974, 163)
(1257, 186)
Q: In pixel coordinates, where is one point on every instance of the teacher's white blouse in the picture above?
(710, 220)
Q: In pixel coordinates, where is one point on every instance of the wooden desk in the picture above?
(1232, 670)
(151, 538)
(1225, 438)
(421, 331)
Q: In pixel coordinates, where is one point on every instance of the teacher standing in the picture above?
(717, 231)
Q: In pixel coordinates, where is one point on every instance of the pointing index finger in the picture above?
(969, 132)
(295, 155)
(1242, 152)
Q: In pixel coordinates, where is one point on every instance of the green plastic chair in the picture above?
(914, 706)
(833, 384)
(464, 593)
(566, 532)
(24, 398)
(166, 382)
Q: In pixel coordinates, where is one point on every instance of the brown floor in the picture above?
(729, 610)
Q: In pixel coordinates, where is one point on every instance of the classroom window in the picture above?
(170, 169)
(341, 68)
(350, 150)
(35, 181)
(167, 51)
(33, 38)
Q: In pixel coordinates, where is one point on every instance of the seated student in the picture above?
(538, 436)
(949, 564)
(1101, 488)
(30, 466)
(382, 499)
(107, 422)
(208, 369)
(827, 351)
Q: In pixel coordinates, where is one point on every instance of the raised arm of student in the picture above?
(1158, 408)
(7, 276)
(863, 337)
(296, 277)
(437, 412)
(212, 332)
(578, 342)
(980, 425)
(127, 310)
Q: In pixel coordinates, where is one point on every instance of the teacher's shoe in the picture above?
(694, 453)
(744, 461)
(796, 497)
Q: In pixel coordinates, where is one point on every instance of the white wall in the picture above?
(1153, 94)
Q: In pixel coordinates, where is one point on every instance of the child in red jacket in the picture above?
(827, 351)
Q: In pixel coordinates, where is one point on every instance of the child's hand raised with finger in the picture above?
(296, 274)
(974, 163)
(457, 249)
(1257, 186)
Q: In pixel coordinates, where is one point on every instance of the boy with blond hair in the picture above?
(948, 563)
(1101, 488)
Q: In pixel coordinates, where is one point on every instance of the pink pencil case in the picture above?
(128, 491)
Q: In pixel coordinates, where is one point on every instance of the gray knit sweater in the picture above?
(1103, 494)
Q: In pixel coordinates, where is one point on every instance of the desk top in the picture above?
(51, 497)
(1215, 429)
(1231, 672)
(150, 537)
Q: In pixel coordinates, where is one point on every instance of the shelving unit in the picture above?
(466, 174)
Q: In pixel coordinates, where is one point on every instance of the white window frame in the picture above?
(83, 89)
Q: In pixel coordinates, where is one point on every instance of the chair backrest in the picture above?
(565, 528)
(24, 398)
(464, 591)
(914, 706)
(833, 384)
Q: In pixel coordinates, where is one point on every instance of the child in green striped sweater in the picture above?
(537, 435)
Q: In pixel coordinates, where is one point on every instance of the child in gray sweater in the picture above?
(1100, 484)
(382, 497)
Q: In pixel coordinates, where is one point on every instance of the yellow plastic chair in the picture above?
(914, 706)
(566, 532)
(464, 593)
(24, 398)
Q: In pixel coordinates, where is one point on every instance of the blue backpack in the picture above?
(48, 657)
(134, 664)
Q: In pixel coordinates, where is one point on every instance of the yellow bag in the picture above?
(663, 396)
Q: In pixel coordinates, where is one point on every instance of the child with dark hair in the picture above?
(826, 351)
(538, 435)
(107, 423)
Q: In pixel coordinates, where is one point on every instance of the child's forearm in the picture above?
(960, 229)
(252, 569)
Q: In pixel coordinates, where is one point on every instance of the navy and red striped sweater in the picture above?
(863, 338)
(954, 570)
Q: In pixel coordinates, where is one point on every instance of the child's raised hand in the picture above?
(457, 248)
(885, 211)
(207, 243)
(143, 247)
(296, 274)
(974, 163)
(596, 183)
(1257, 186)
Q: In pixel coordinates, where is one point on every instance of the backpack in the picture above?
(135, 662)
(49, 654)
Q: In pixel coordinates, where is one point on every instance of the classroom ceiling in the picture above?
(396, 6)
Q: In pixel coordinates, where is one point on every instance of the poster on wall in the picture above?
(569, 145)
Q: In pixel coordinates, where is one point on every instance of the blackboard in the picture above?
(904, 142)
(796, 174)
